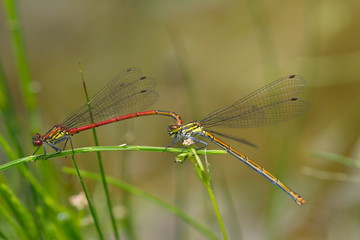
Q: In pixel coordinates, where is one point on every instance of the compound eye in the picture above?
(37, 142)
(173, 127)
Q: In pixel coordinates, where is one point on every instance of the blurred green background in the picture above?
(204, 55)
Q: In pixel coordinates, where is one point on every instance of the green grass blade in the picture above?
(22, 215)
(8, 115)
(7, 148)
(105, 148)
(336, 158)
(19, 52)
(11, 221)
(91, 206)
(142, 194)
(101, 166)
(68, 225)
(327, 175)
(204, 175)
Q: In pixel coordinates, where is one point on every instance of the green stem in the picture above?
(205, 178)
(101, 166)
(151, 198)
(105, 148)
(20, 57)
(91, 207)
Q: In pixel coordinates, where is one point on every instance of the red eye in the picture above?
(38, 142)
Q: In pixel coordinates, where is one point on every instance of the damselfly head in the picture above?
(173, 129)
(36, 140)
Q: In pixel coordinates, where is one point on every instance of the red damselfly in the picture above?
(122, 98)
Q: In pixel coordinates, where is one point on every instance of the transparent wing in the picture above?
(271, 104)
(129, 92)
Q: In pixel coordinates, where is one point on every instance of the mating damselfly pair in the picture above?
(131, 92)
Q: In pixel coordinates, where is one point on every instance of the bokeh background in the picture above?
(204, 55)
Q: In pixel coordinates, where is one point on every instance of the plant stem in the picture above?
(105, 148)
(205, 177)
(101, 166)
(91, 207)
